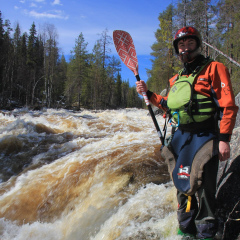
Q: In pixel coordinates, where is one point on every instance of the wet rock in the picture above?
(228, 187)
(237, 101)
(228, 200)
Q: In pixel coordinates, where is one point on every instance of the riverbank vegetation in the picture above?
(34, 73)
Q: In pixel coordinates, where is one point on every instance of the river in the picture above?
(86, 175)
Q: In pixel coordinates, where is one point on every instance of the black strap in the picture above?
(203, 106)
(204, 113)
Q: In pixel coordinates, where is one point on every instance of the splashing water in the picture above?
(86, 175)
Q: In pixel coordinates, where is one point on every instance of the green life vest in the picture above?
(187, 106)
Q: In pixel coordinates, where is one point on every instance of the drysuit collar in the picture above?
(191, 66)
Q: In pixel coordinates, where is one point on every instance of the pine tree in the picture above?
(62, 79)
(32, 64)
(118, 92)
(105, 41)
(228, 24)
(2, 55)
(22, 84)
(49, 38)
(17, 60)
(97, 76)
(181, 13)
(164, 62)
(8, 64)
(31, 46)
(124, 94)
(78, 72)
(112, 74)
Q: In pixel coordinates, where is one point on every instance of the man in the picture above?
(200, 95)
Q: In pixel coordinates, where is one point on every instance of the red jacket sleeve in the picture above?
(224, 98)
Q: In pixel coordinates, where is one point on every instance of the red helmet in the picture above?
(187, 32)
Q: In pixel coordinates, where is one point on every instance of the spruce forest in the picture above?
(33, 72)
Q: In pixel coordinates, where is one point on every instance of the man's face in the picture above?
(187, 44)
(185, 48)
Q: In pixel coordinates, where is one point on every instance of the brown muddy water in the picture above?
(86, 175)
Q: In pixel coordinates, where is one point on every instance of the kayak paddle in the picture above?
(126, 50)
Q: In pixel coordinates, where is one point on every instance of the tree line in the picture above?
(219, 24)
(33, 73)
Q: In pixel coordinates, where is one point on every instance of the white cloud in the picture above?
(56, 2)
(32, 2)
(33, 5)
(52, 14)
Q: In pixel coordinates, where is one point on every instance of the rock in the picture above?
(228, 200)
(237, 101)
(157, 111)
(228, 187)
(164, 92)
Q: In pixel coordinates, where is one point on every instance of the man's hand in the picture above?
(224, 151)
(141, 87)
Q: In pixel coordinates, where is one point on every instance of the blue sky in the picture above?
(92, 17)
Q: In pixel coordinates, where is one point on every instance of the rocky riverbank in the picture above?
(228, 192)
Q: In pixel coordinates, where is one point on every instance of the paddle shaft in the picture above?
(151, 113)
(126, 51)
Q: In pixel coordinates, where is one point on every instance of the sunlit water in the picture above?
(84, 175)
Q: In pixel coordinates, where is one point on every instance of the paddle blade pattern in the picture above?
(125, 48)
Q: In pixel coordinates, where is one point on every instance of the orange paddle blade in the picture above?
(125, 48)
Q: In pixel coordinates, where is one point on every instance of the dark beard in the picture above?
(190, 67)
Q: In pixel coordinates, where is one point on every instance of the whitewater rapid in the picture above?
(86, 175)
